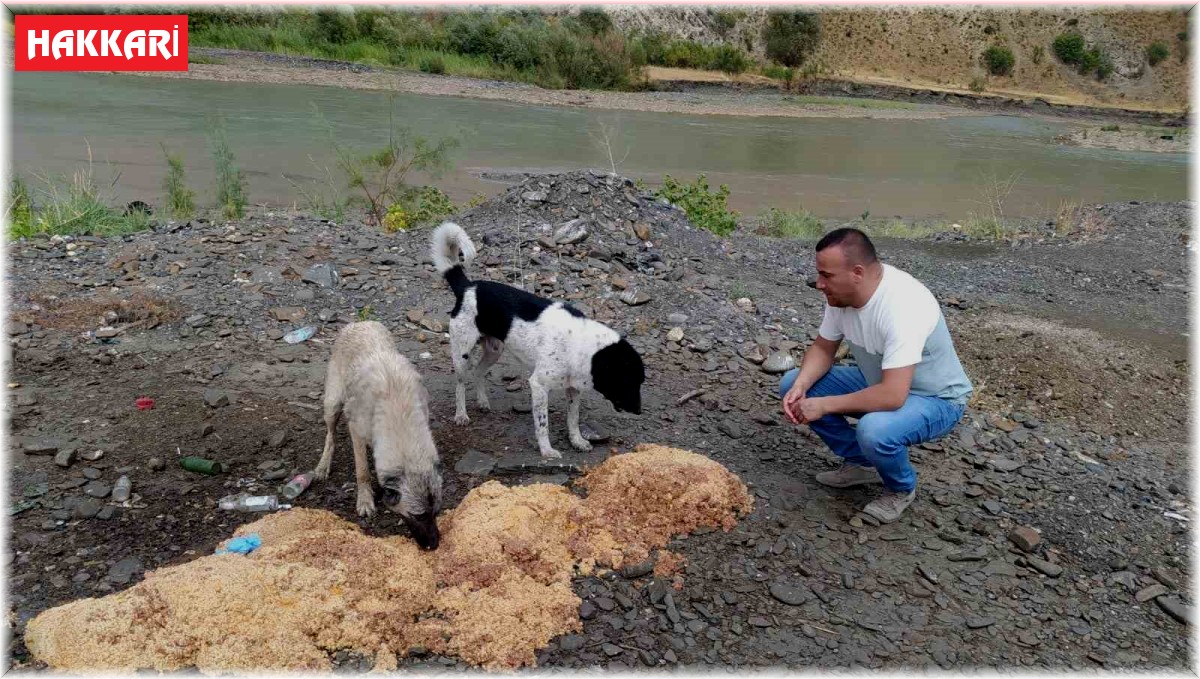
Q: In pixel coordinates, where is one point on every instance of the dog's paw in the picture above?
(461, 418)
(551, 454)
(485, 405)
(581, 444)
(366, 503)
(321, 472)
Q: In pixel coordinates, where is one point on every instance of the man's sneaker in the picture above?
(849, 475)
(889, 506)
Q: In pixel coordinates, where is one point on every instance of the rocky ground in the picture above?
(1051, 530)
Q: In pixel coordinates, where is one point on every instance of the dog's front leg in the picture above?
(460, 350)
(577, 439)
(362, 474)
(541, 417)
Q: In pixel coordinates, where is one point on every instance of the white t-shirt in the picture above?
(901, 325)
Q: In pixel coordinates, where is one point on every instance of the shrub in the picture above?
(977, 84)
(704, 208)
(381, 175)
(729, 59)
(1039, 53)
(1157, 52)
(180, 201)
(1104, 65)
(595, 20)
(999, 60)
(1070, 48)
(433, 63)
(20, 209)
(778, 72)
(231, 184)
(473, 33)
(790, 36)
(336, 26)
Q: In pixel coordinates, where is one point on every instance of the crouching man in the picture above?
(908, 387)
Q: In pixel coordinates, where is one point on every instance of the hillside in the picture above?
(941, 47)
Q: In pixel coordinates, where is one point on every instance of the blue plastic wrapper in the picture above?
(242, 545)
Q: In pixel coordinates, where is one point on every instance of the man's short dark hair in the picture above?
(858, 248)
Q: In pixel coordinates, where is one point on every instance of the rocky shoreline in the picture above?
(1050, 530)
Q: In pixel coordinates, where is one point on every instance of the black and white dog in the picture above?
(564, 349)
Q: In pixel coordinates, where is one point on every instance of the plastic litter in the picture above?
(296, 486)
(122, 489)
(242, 545)
(144, 403)
(300, 334)
(244, 502)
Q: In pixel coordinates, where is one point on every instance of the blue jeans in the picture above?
(882, 438)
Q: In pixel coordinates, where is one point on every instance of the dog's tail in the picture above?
(448, 241)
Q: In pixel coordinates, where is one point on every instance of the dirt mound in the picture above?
(637, 501)
(499, 588)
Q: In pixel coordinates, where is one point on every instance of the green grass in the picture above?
(70, 205)
(797, 224)
(898, 228)
(202, 59)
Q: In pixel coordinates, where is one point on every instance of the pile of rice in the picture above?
(497, 589)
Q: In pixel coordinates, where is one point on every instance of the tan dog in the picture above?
(387, 407)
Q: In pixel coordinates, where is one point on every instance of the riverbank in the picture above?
(258, 67)
(676, 91)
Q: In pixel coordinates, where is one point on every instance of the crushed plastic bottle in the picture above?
(245, 502)
(296, 486)
(300, 334)
(122, 489)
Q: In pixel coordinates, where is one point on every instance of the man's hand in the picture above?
(791, 402)
(812, 409)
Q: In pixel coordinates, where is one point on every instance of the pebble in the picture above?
(788, 594)
(124, 570)
(1151, 592)
(475, 463)
(1044, 567)
(97, 489)
(215, 398)
(1025, 538)
(1175, 608)
(778, 362)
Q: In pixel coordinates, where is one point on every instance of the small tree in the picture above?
(595, 20)
(790, 36)
(382, 175)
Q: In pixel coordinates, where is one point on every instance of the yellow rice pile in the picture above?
(497, 589)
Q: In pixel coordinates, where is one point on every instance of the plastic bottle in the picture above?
(244, 502)
(300, 334)
(121, 489)
(296, 486)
